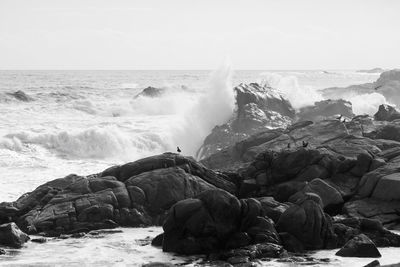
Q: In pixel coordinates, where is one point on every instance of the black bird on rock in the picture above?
(305, 144)
(178, 149)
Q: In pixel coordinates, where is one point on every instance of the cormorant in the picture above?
(178, 149)
(288, 145)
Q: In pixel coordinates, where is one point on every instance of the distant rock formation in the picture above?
(151, 92)
(326, 109)
(374, 70)
(21, 96)
(388, 84)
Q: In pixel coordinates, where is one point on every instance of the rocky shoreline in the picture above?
(313, 184)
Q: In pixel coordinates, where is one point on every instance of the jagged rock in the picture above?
(306, 221)
(259, 107)
(374, 263)
(359, 246)
(134, 194)
(12, 236)
(387, 113)
(326, 109)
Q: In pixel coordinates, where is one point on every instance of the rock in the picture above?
(359, 246)
(388, 188)
(374, 70)
(306, 221)
(389, 132)
(151, 92)
(387, 113)
(329, 195)
(291, 243)
(12, 236)
(2, 251)
(21, 96)
(158, 240)
(374, 263)
(158, 264)
(259, 107)
(39, 240)
(326, 109)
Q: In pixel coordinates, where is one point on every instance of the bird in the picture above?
(178, 149)
(288, 145)
(305, 144)
(339, 117)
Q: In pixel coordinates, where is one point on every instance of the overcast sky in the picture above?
(199, 34)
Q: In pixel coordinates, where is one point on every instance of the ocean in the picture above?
(85, 121)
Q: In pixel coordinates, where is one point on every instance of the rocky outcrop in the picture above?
(12, 236)
(387, 113)
(259, 107)
(388, 84)
(359, 246)
(21, 96)
(374, 70)
(151, 92)
(216, 220)
(134, 194)
(326, 109)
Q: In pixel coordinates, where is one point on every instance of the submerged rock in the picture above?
(21, 96)
(12, 236)
(151, 92)
(359, 246)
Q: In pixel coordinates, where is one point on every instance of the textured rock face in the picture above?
(326, 109)
(12, 236)
(359, 246)
(306, 221)
(258, 108)
(134, 194)
(216, 220)
(387, 113)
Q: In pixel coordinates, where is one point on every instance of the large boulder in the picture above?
(359, 246)
(151, 92)
(306, 221)
(12, 236)
(387, 113)
(216, 220)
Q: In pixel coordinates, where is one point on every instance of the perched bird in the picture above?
(178, 149)
(305, 144)
(288, 145)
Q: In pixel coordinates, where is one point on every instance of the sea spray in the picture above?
(213, 107)
(299, 96)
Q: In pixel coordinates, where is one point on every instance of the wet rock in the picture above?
(11, 235)
(158, 264)
(359, 246)
(373, 264)
(387, 113)
(39, 240)
(158, 240)
(306, 221)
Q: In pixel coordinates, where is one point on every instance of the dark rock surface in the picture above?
(387, 113)
(359, 246)
(12, 236)
(135, 194)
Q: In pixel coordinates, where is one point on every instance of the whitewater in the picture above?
(85, 121)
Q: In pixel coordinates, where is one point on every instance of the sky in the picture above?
(199, 34)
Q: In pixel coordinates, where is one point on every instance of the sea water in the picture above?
(85, 121)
